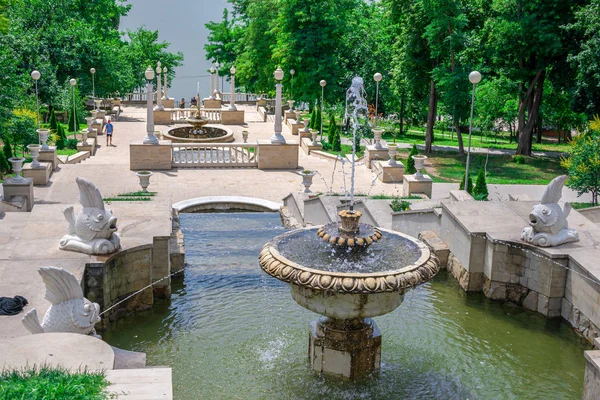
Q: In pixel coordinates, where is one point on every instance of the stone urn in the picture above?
(313, 134)
(307, 178)
(17, 167)
(89, 121)
(291, 104)
(377, 133)
(84, 136)
(392, 149)
(98, 103)
(94, 115)
(34, 149)
(43, 136)
(298, 114)
(245, 136)
(144, 177)
(305, 121)
(419, 164)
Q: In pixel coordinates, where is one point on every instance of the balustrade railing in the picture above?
(137, 97)
(180, 114)
(224, 155)
(240, 98)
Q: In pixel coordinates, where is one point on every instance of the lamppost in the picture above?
(36, 75)
(165, 96)
(212, 85)
(292, 72)
(93, 72)
(232, 106)
(277, 138)
(159, 106)
(322, 83)
(73, 82)
(474, 78)
(217, 91)
(150, 138)
(377, 78)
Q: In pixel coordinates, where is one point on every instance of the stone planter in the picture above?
(34, 149)
(17, 167)
(94, 115)
(89, 121)
(144, 177)
(419, 164)
(98, 103)
(305, 121)
(307, 178)
(84, 136)
(245, 136)
(291, 104)
(313, 134)
(43, 137)
(377, 133)
(392, 149)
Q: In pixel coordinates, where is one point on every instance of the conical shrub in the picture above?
(410, 163)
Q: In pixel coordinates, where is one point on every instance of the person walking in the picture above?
(182, 103)
(108, 128)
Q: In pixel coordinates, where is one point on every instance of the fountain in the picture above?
(199, 132)
(332, 270)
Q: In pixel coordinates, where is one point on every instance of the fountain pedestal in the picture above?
(417, 184)
(349, 354)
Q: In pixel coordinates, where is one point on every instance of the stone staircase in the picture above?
(14, 204)
(152, 383)
(74, 158)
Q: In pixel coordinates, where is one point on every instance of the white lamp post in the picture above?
(159, 106)
(474, 78)
(93, 72)
(217, 91)
(73, 82)
(36, 75)
(232, 106)
(277, 138)
(322, 83)
(377, 78)
(150, 138)
(212, 85)
(165, 95)
(292, 72)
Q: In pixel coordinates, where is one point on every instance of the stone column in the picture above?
(232, 106)
(165, 95)
(277, 138)
(159, 106)
(212, 85)
(150, 138)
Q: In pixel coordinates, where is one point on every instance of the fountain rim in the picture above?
(228, 137)
(282, 268)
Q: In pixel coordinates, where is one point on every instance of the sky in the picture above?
(181, 23)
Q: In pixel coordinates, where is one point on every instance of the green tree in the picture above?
(223, 42)
(410, 163)
(7, 150)
(469, 189)
(4, 165)
(53, 123)
(480, 191)
(333, 135)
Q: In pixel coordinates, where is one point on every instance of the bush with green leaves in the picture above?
(462, 185)
(7, 149)
(583, 164)
(519, 159)
(333, 135)
(22, 129)
(480, 191)
(71, 144)
(410, 163)
(4, 165)
(53, 123)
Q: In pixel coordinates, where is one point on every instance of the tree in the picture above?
(410, 163)
(53, 123)
(333, 135)
(4, 165)
(7, 151)
(469, 189)
(223, 42)
(583, 163)
(480, 191)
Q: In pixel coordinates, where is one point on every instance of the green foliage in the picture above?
(519, 159)
(73, 120)
(5, 166)
(7, 149)
(61, 137)
(399, 205)
(410, 163)
(53, 123)
(583, 165)
(71, 144)
(469, 189)
(333, 135)
(480, 191)
(52, 384)
(21, 129)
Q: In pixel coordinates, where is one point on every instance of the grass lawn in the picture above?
(52, 384)
(66, 152)
(447, 167)
(347, 149)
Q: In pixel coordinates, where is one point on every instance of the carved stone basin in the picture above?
(209, 134)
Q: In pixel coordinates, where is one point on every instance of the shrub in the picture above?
(462, 185)
(400, 205)
(21, 128)
(7, 150)
(333, 135)
(480, 191)
(410, 163)
(4, 165)
(519, 159)
(53, 123)
(71, 144)
(583, 164)
(70, 123)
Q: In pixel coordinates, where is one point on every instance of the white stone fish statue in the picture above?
(70, 311)
(548, 222)
(93, 230)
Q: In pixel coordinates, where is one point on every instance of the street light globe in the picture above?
(475, 77)
(212, 70)
(93, 70)
(217, 65)
(323, 83)
(292, 71)
(165, 70)
(158, 64)
(232, 70)
(73, 82)
(278, 74)
(149, 73)
(378, 77)
(36, 75)
(158, 68)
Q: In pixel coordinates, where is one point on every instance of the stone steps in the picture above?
(151, 383)
(14, 204)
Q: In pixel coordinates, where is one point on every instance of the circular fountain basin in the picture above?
(210, 134)
(354, 285)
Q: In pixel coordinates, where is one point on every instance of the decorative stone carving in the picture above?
(548, 222)
(69, 312)
(93, 230)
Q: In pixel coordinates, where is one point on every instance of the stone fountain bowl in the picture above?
(349, 295)
(211, 134)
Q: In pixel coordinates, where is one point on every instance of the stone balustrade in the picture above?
(180, 114)
(214, 155)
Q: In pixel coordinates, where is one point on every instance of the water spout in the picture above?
(356, 105)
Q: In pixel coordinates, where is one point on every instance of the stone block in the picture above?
(531, 301)
(307, 146)
(92, 133)
(542, 304)
(554, 307)
(372, 154)
(516, 293)
(296, 126)
(277, 156)
(150, 156)
(88, 145)
(229, 117)
(49, 156)
(25, 189)
(494, 290)
(423, 184)
(213, 103)
(288, 115)
(41, 175)
(162, 117)
(168, 103)
(388, 173)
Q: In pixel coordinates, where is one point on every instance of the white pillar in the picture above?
(159, 106)
(165, 96)
(232, 106)
(217, 91)
(150, 138)
(277, 138)
(211, 96)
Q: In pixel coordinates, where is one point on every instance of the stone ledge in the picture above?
(234, 201)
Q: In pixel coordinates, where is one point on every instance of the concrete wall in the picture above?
(416, 221)
(315, 212)
(591, 380)
(277, 156)
(149, 156)
(592, 213)
(229, 117)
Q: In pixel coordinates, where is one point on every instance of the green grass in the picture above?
(579, 206)
(52, 384)
(132, 196)
(388, 197)
(347, 149)
(66, 152)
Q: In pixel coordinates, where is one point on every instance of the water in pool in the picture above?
(232, 332)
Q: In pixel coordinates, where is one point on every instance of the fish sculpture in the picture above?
(548, 221)
(69, 311)
(92, 231)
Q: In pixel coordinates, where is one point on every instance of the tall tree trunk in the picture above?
(433, 99)
(530, 105)
(461, 147)
(401, 115)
